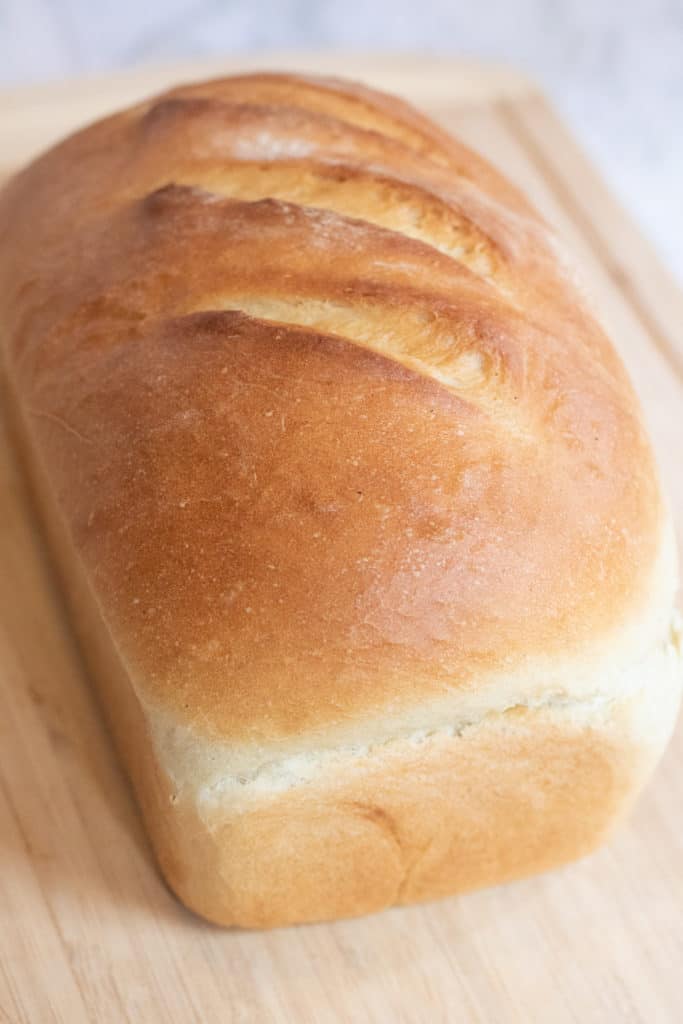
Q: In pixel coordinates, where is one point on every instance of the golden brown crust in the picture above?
(206, 556)
(219, 526)
(335, 440)
(517, 793)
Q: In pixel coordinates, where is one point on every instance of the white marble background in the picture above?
(613, 67)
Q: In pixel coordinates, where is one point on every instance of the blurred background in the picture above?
(614, 69)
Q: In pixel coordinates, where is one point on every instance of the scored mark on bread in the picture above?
(456, 364)
(392, 204)
(333, 100)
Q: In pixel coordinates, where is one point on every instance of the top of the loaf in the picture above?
(334, 434)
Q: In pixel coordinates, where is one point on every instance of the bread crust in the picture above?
(352, 496)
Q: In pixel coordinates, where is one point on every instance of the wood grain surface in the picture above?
(88, 931)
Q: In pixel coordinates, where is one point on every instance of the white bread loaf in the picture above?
(350, 493)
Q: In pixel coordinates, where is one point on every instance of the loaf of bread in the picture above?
(351, 496)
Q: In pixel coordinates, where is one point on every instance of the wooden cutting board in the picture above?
(88, 931)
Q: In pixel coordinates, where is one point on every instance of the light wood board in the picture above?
(88, 931)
